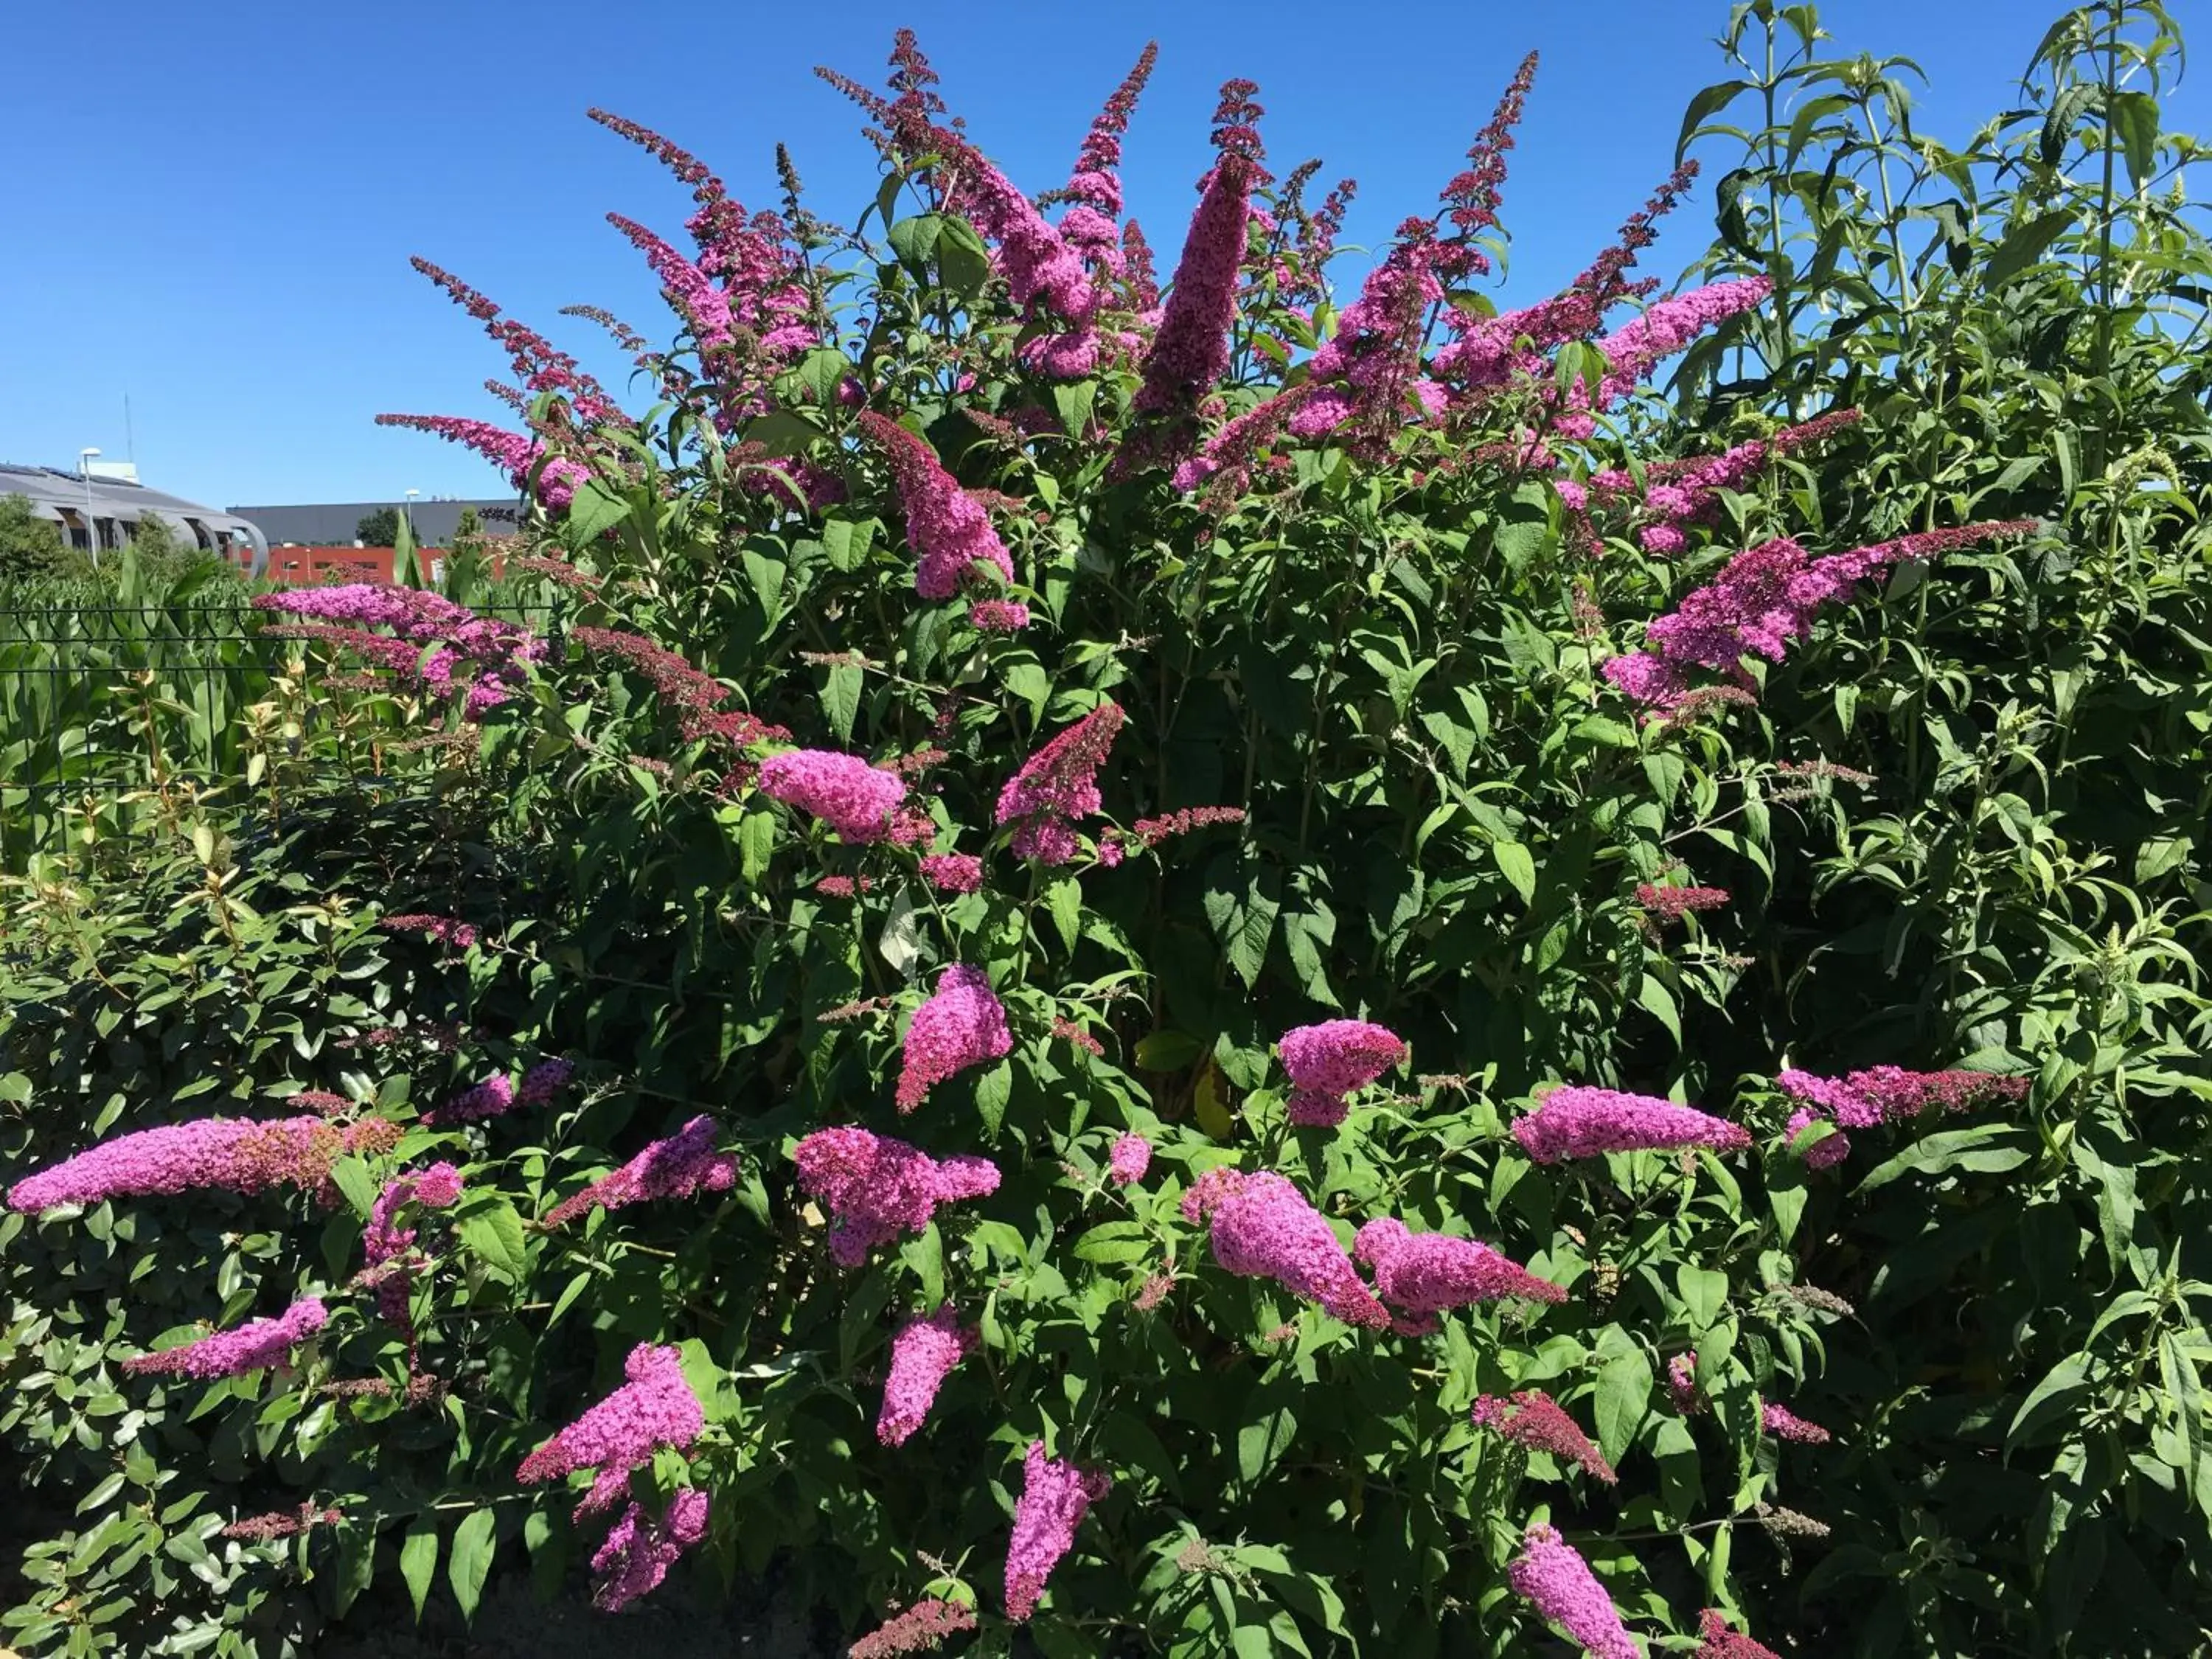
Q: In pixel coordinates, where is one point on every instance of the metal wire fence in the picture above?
(100, 704)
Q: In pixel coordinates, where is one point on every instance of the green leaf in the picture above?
(1655, 999)
(2024, 245)
(963, 263)
(913, 240)
(1245, 921)
(492, 1232)
(2135, 117)
(1708, 102)
(1167, 1051)
(352, 1178)
(1064, 900)
(1986, 1149)
(470, 1563)
(1704, 1291)
(1114, 1241)
(1261, 1441)
(419, 1561)
(992, 1090)
(1624, 1396)
(756, 845)
(841, 699)
(846, 542)
(594, 510)
(1518, 865)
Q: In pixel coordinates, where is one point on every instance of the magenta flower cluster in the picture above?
(240, 1154)
(1553, 1578)
(431, 636)
(1326, 1062)
(1584, 1123)
(876, 1188)
(1055, 1497)
(1533, 1418)
(923, 1354)
(1261, 1226)
(1058, 785)
(439, 930)
(255, 1346)
(1425, 1273)
(654, 1408)
(852, 798)
(1785, 1425)
(949, 528)
(493, 1097)
(1765, 597)
(639, 1549)
(1131, 1156)
(962, 1024)
(953, 872)
(682, 1165)
(385, 1241)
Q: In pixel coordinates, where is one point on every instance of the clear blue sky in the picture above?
(216, 202)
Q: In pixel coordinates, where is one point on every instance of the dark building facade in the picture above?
(332, 523)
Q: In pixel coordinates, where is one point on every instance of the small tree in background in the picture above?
(29, 545)
(378, 529)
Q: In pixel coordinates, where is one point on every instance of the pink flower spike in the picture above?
(852, 798)
(488, 1099)
(1262, 1227)
(242, 1155)
(1558, 1583)
(876, 1188)
(921, 1629)
(999, 616)
(654, 1408)
(1057, 785)
(1682, 1383)
(1717, 1641)
(1584, 1123)
(1131, 1157)
(683, 1165)
(1424, 1273)
(923, 1355)
(255, 1346)
(1784, 1424)
(638, 1549)
(1890, 1094)
(1326, 1062)
(1831, 1149)
(1533, 1418)
(953, 872)
(1056, 1496)
(962, 1024)
(949, 528)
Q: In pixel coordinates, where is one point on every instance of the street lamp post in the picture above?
(84, 459)
(411, 495)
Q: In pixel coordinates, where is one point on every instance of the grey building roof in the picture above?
(116, 505)
(332, 523)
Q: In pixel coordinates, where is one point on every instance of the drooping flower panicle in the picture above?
(1131, 1156)
(1262, 1227)
(1055, 1497)
(852, 798)
(1426, 1273)
(949, 529)
(923, 1354)
(240, 1154)
(1553, 1578)
(682, 1165)
(639, 1549)
(962, 1024)
(1058, 785)
(1326, 1062)
(876, 1188)
(1533, 1418)
(255, 1346)
(654, 1408)
(1584, 1123)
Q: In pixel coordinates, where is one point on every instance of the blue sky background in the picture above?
(259, 172)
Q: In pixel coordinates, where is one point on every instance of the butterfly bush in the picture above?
(878, 1187)
(1223, 498)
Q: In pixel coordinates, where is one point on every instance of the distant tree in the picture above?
(155, 541)
(29, 545)
(378, 529)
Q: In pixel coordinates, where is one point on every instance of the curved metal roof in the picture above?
(60, 496)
